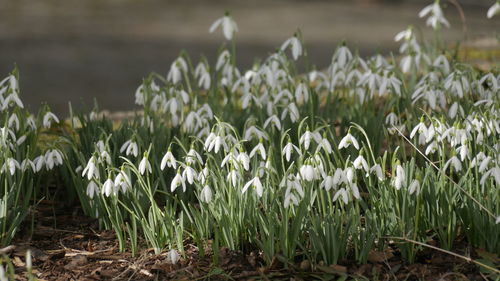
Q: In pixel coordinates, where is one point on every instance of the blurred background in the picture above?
(80, 50)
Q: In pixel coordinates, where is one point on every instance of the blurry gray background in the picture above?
(78, 50)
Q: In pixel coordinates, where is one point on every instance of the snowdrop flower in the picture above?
(347, 141)
(229, 26)
(193, 156)
(288, 149)
(92, 189)
(173, 256)
(189, 174)
(206, 194)
(274, 120)
(130, 147)
(244, 160)
(176, 181)
(108, 187)
(48, 118)
(144, 165)
(414, 187)
(341, 192)
(405, 34)
(493, 172)
(168, 160)
(296, 46)
(436, 17)
(360, 163)
(13, 121)
(233, 177)
(122, 181)
(328, 183)
(259, 148)
(307, 172)
(342, 56)
(90, 170)
(400, 179)
(176, 69)
(455, 162)
(53, 158)
(493, 10)
(27, 163)
(40, 163)
(377, 170)
(12, 164)
(255, 183)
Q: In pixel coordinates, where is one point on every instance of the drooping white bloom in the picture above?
(255, 183)
(232, 177)
(296, 46)
(144, 166)
(244, 160)
(288, 149)
(130, 147)
(26, 164)
(307, 172)
(108, 187)
(92, 189)
(400, 178)
(12, 164)
(436, 17)
(122, 181)
(176, 181)
(48, 118)
(325, 145)
(414, 187)
(328, 183)
(360, 163)
(168, 160)
(378, 171)
(189, 174)
(493, 10)
(347, 141)
(405, 34)
(341, 192)
(176, 69)
(90, 169)
(229, 26)
(274, 120)
(54, 158)
(259, 148)
(206, 194)
(173, 256)
(455, 163)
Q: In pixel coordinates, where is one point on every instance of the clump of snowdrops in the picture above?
(299, 163)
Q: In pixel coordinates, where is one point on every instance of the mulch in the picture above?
(66, 245)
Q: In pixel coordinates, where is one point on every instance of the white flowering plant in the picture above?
(299, 163)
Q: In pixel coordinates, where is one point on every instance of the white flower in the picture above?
(259, 148)
(305, 139)
(360, 163)
(405, 34)
(229, 26)
(206, 194)
(341, 192)
(244, 160)
(108, 187)
(455, 162)
(232, 177)
(176, 181)
(144, 166)
(189, 174)
(414, 187)
(296, 46)
(327, 183)
(123, 181)
(400, 179)
(348, 140)
(325, 145)
(92, 189)
(130, 147)
(436, 17)
(288, 149)
(12, 165)
(274, 120)
(48, 118)
(378, 171)
(307, 172)
(168, 160)
(173, 256)
(255, 182)
(493, 10)
(176, 69)
(90, 169)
